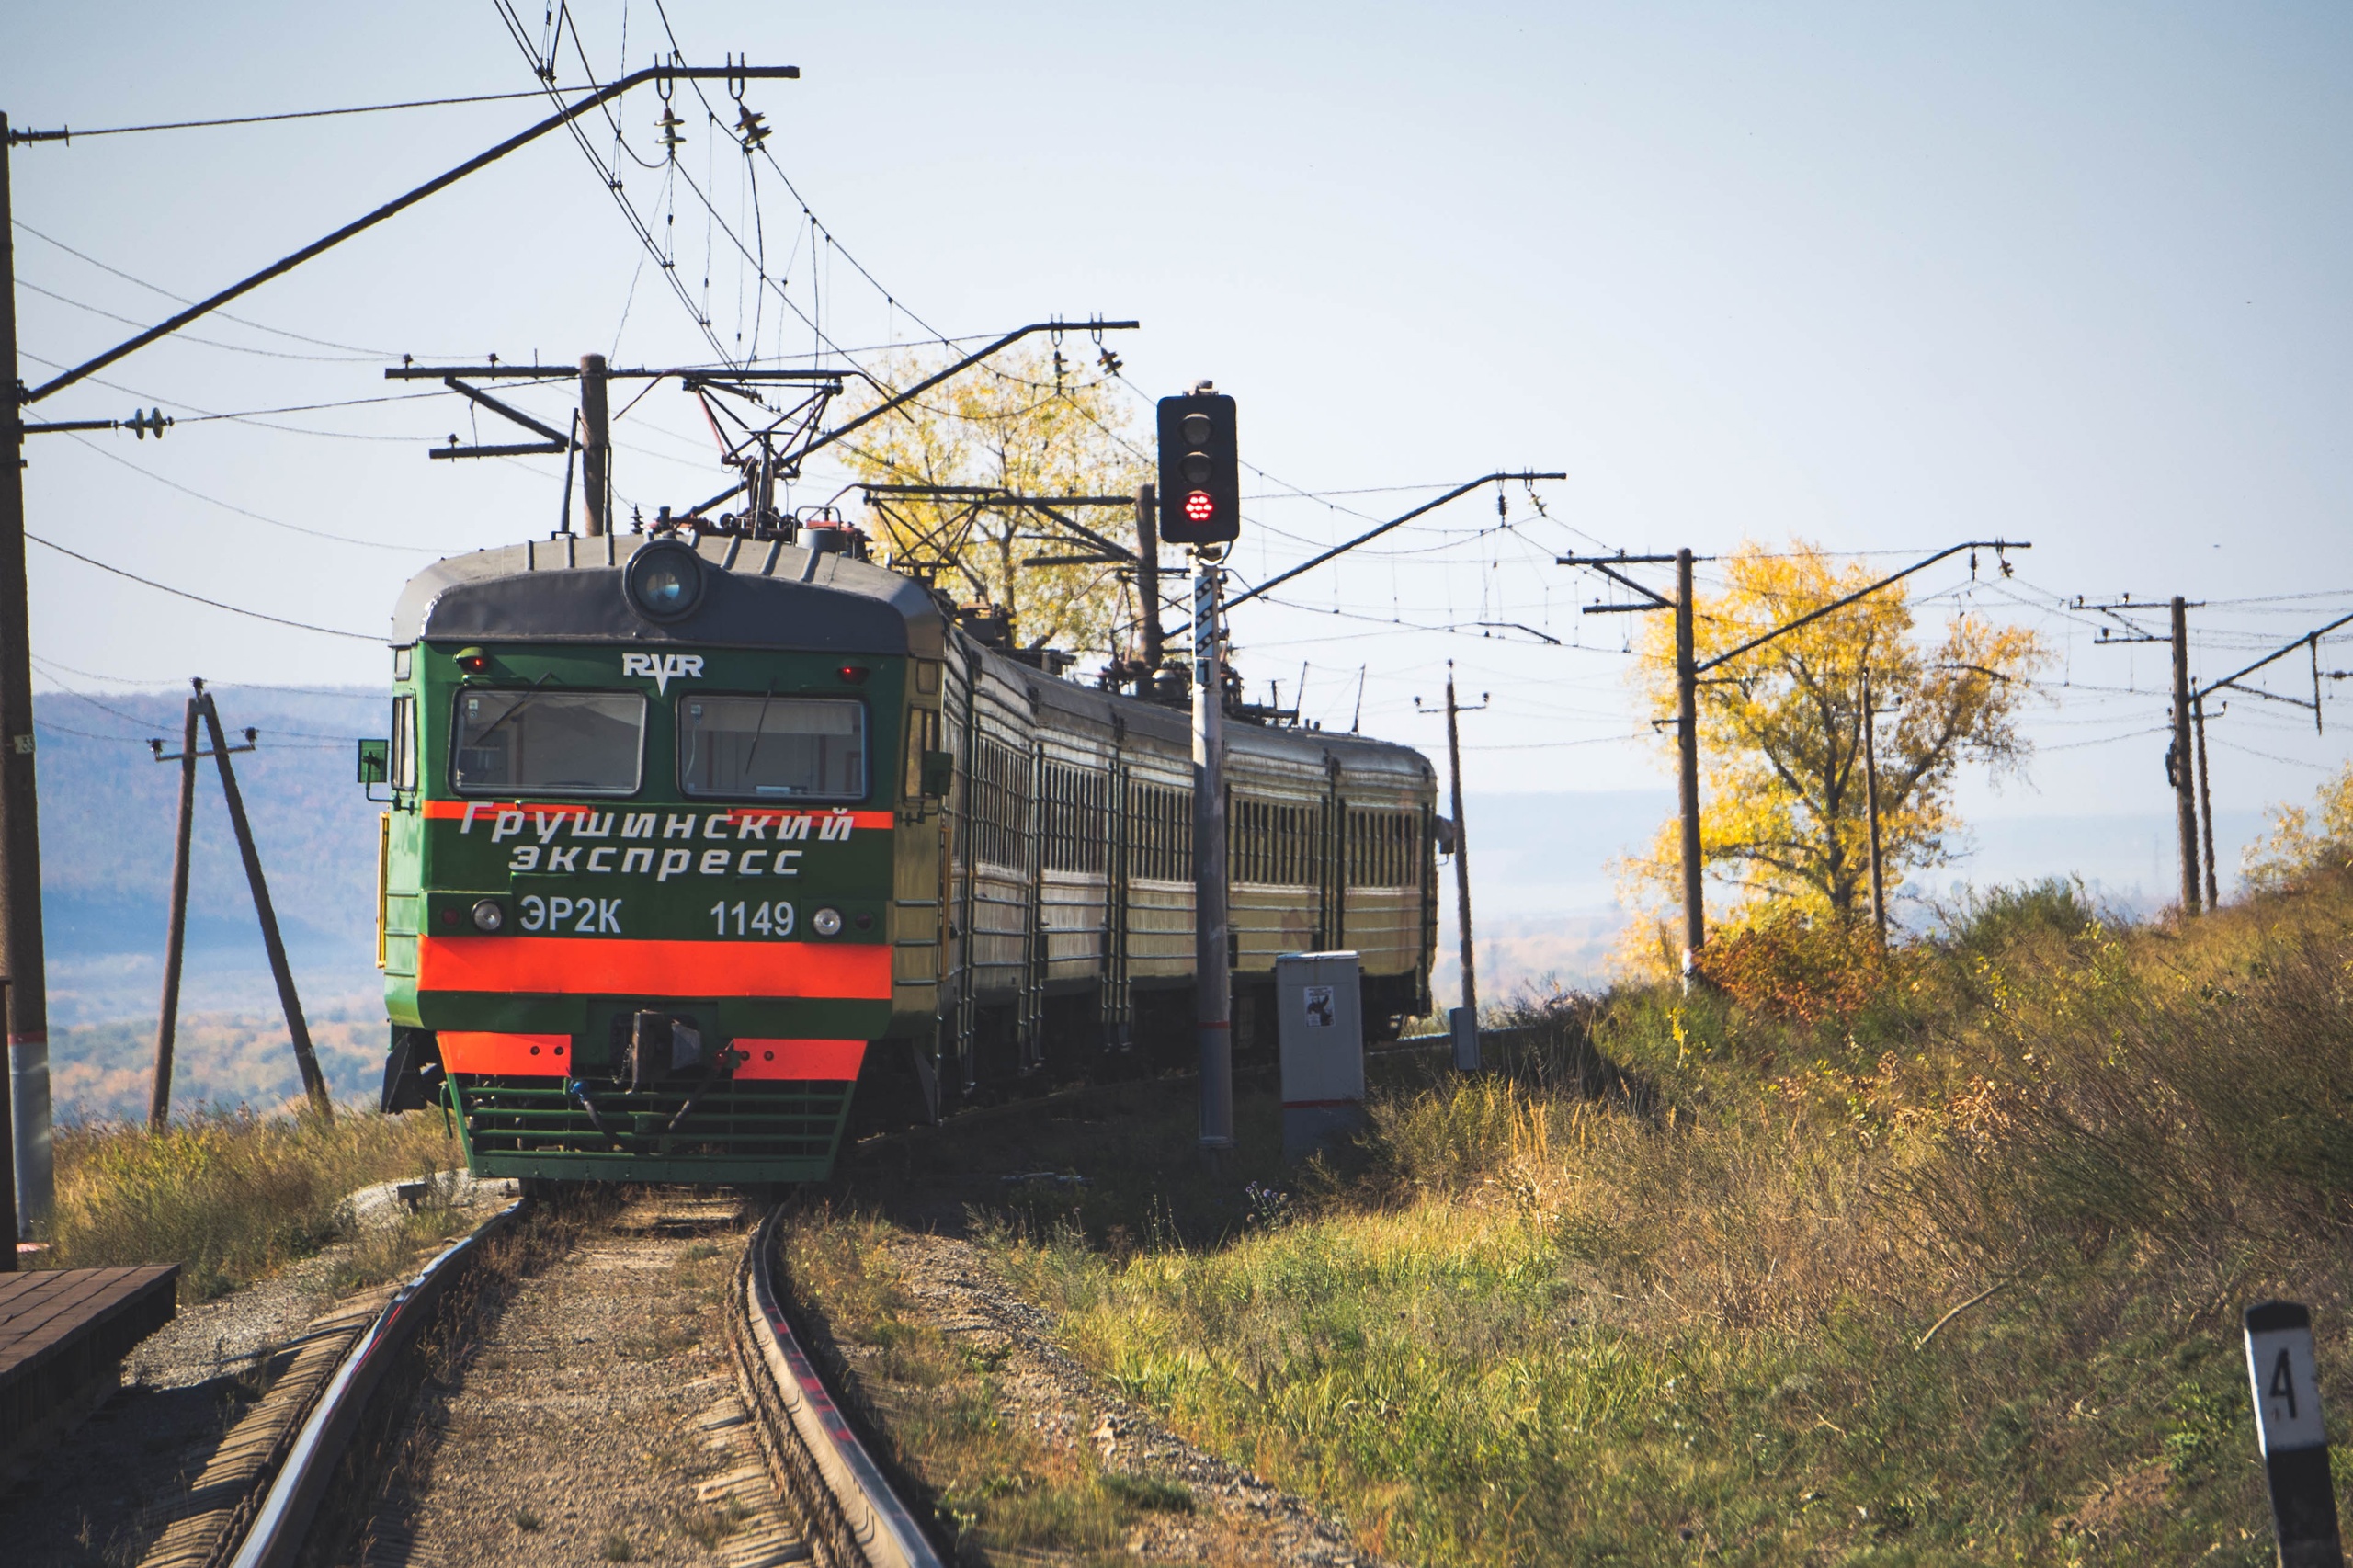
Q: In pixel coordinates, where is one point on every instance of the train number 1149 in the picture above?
(755, 920)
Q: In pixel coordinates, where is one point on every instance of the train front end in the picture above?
(637, 903)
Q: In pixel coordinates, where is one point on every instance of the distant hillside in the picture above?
(103, 1072)
(106, 811)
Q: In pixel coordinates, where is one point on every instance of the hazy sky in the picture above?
(1883, 278)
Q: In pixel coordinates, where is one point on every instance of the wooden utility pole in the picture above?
(2310, 642)
(2184, 796)
(1148, 582)
(7, 1138)
(1462, 855)
(597, 451)
(1212, 960)
(20, 934)
(1687, 764)
(312, 1083)
(159, 1098)
(1871, 790)
(2206, 798)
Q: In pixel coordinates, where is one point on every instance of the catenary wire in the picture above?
(256, 516)
(204, 415)
(184, 300)
(309, 114)
(199, 598)
(33, 288)
(341, 693)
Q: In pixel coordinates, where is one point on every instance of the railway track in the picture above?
(634, 1394)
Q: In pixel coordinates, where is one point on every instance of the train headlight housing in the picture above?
(664, 580)
(489, 918)
(826, 922)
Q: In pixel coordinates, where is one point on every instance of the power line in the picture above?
(859, 267)
(171, 683)
(55, 728)
(2109, 740)
(609, 176)
(205, 415)
(117, 712)
(834, 242)
(69, 134)
(243, 512)
(190, 337)
(184, 300)
(2269, 757)
(199, 598)
(565, 117)
(1555, 745)
(250, 415)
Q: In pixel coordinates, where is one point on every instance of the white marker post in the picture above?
(2295, 1445)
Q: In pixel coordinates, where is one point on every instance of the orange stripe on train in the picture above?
(522, 1055)
(573, 966)
(800, 1059)
(480, 1050)
(485, 812)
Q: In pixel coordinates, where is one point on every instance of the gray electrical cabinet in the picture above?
(1462, 1023)
(1319, 1008)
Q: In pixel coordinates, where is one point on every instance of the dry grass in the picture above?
(994, 1485)
(230, 1197)
(1689, 1315)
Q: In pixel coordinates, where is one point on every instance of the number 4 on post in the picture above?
(2286, 1383)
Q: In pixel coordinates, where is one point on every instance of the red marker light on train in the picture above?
(853, 674)
(473, 661)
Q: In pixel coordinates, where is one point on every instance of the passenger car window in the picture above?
(556, 742)
(768, 747)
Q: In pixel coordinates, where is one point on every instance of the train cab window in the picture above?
(771, 747)
(543, 741)
(403, 763)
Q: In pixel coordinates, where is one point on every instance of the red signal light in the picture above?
(1200, 506)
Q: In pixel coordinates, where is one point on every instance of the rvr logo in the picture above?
(662, 667)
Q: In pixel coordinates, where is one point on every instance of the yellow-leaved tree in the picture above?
(2297, 847)
(1009, 424)
(1783, 807)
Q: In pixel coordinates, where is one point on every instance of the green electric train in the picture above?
(694, 842)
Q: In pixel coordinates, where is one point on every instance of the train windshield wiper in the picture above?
(528, 697)
(758, 729)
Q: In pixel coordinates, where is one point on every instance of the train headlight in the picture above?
(488, 916)
(827, 922)
(664, 580)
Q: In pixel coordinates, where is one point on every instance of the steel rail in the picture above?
(809, 1442)
(276, 1536)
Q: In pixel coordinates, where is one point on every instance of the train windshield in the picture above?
(544, 741)
(767, 747)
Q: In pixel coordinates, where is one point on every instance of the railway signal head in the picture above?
(1201, 478)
